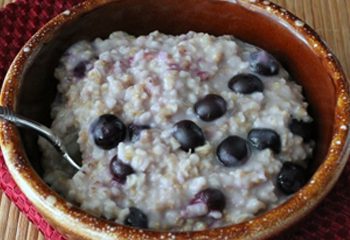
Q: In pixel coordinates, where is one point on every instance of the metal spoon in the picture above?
(42, 130)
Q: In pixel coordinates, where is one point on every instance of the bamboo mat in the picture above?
(330, 18)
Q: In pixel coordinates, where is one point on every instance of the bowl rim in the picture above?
(78, 223)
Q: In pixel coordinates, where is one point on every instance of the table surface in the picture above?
(329, 18)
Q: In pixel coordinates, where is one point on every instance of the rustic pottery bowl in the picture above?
(29, 89)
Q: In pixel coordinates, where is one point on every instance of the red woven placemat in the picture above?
(18, 21)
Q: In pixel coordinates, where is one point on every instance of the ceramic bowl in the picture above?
(29, 88)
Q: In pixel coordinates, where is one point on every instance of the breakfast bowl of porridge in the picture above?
(182, 127)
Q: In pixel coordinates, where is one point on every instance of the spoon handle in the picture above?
(42, 130)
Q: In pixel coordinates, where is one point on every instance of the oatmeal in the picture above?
(177, 132)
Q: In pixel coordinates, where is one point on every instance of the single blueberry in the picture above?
(120, 170)
(232, 151)
(213, 198)
(108, 131)
(80, 69)
(188, 134)
(262, 138)
(210, 107)
(291, 178)
(302, 129)
(136, 218)
(263, 63)
(246, 83)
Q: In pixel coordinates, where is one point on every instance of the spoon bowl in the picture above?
(40, 129)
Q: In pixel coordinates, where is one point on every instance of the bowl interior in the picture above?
(137, 17)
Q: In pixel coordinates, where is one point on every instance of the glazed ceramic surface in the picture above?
(29, 89)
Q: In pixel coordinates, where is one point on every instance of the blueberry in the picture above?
(291, 178)
(302, 129)
(210, 107)
(136, 218)
(262, 138)
(80, 69)
(120, 170)
(213, 198)
(263, 63)
(246, 83)
(188, 134)
(232, 151)
(108, 131)
(134, 130)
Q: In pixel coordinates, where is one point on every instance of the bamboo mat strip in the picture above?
(4, 2)
(331, 19)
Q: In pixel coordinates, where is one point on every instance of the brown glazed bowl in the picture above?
(29, 89)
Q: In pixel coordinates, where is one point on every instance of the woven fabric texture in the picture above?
(20, 20)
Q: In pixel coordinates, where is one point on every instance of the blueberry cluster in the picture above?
(234, 151)
(108, 131)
